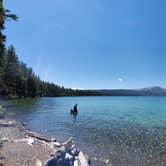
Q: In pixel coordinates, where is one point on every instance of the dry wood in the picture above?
(5, 123)
(41, 137)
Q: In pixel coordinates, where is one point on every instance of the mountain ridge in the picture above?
(148, 91)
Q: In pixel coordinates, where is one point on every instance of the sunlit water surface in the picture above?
(117, 131)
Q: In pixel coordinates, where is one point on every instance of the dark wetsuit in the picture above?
(75, 109)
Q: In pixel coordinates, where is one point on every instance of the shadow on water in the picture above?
(21, 109)
(74, 115)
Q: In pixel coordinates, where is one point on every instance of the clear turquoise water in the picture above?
(124, 130)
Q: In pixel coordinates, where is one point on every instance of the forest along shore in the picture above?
(21, 147)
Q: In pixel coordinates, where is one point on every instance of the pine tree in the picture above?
(11, 71)
(4, 15)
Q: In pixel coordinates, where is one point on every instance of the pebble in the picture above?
(23, 124)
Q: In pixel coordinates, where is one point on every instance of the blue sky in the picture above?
(92, 44)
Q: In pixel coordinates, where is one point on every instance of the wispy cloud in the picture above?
(120, 79)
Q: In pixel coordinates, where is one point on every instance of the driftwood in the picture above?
(5, 123)
(41, 137)
(68, 155)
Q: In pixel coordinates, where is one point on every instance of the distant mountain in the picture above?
(156, 90)
(150, 91)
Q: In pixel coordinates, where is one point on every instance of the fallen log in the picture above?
(41, 137)
(5, 123)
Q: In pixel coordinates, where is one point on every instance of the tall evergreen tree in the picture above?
(4, 15)
(11, 71)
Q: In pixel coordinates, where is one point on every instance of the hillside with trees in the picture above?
(19, 81)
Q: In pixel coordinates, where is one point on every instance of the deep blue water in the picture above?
(122, 130)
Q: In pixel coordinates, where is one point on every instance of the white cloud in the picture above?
(120, 79)
(77, 88)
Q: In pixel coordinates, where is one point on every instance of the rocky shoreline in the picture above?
(19, 147)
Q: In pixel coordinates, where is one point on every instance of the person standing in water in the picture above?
(74, 110)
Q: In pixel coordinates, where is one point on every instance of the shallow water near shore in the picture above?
(117, 131)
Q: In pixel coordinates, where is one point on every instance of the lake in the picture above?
(117, 131)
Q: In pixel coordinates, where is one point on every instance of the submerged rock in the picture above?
(23, 124)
